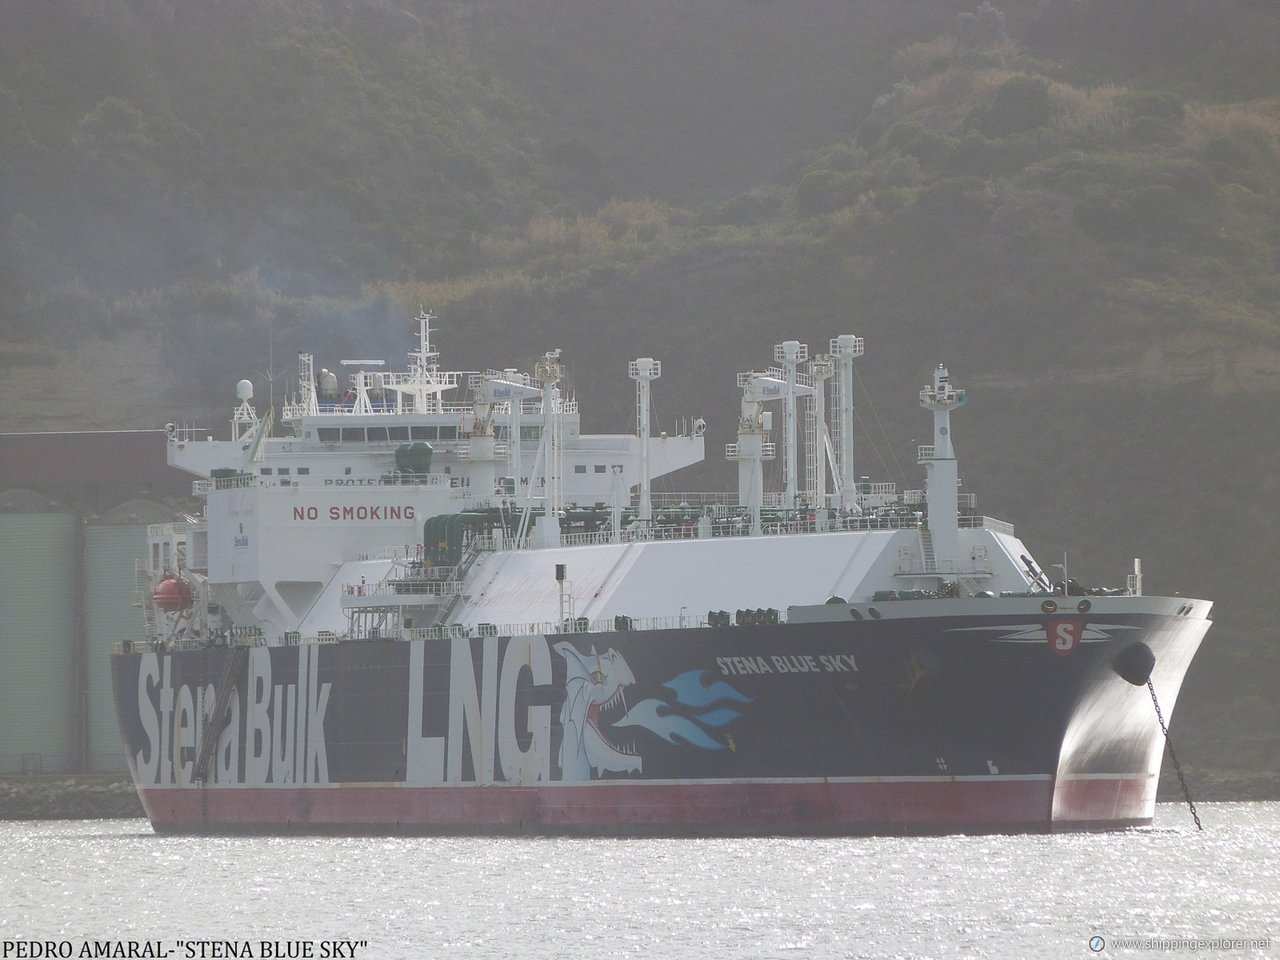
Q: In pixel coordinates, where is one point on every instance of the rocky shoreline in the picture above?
(68, 797)
(98, 796)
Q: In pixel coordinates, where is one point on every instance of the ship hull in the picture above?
(907, 724)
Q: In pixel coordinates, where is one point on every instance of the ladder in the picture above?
(474, 549)
(926, 551)
(218, 720)
(142, 598)
(812, 450)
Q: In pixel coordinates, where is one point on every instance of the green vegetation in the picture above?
(324, 148)
(1076, 204)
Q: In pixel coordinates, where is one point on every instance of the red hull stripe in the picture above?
(1087, 798)
(783, 807)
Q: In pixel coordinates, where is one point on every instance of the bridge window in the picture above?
(353, 434)
(328, 434)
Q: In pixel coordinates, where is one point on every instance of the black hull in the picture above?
(929, 723)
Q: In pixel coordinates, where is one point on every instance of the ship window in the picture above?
(579, 468)
(397, 434)
(350, 434)
(328, 434)
(530, 433)
(304, 471)
(502, 433)
(423, 433)
(265, 471)
(283, 472)
(346, 471)
(376, 434)
(448, 433)
(600, 468)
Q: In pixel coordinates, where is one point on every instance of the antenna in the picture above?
(271, 373)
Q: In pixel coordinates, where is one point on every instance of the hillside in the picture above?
(1076, 205)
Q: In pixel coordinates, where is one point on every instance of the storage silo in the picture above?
(114, 543)
(40, 550)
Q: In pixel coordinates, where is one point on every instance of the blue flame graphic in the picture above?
(690, 727)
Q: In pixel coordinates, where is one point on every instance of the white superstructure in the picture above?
(398, 504)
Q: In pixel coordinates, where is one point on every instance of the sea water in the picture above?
(109, 887)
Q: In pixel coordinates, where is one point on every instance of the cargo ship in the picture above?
(427, 603)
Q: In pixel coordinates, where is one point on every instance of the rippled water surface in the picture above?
(1023, 896)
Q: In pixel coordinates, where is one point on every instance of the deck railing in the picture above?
(402, 589)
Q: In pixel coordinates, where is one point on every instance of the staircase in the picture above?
(142, 598)
(926, 551)
(459, 575)
(219, 719)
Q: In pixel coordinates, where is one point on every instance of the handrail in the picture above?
(402, 589)
(244, 481)
(552, 628)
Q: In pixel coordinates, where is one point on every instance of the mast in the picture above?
(550, 370)
(817, 440)
(514, 463)
(424, 358)
(941, 467)
(644, 371)
(307, 403)
(845, 348)
(790, 353)
(752, 449)
(423, 368)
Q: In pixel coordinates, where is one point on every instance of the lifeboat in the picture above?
(172, 594)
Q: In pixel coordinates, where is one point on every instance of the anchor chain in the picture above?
(1177, 767)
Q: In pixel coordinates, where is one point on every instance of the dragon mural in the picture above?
(595, 685)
